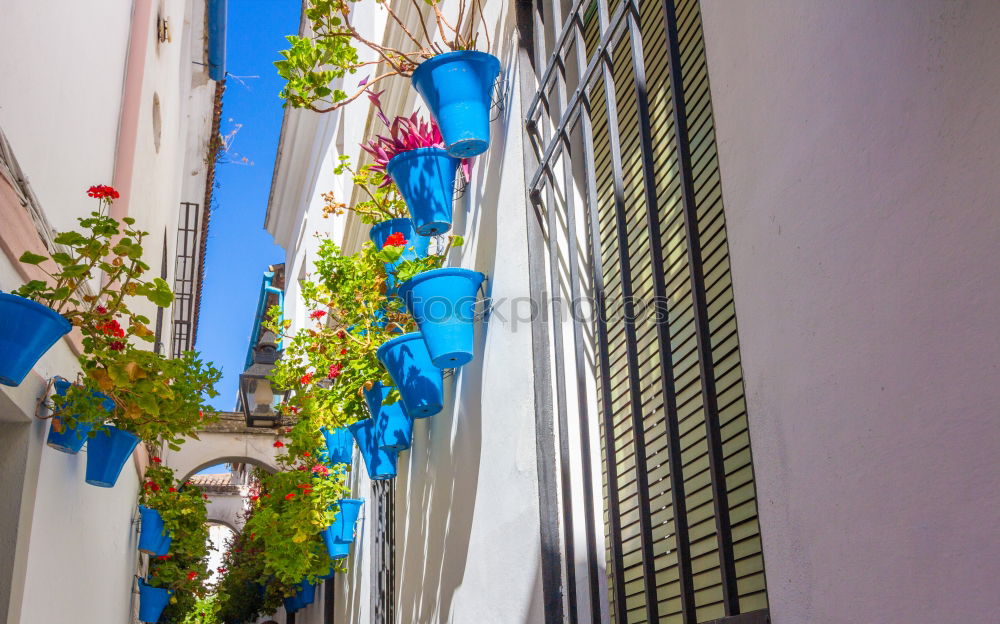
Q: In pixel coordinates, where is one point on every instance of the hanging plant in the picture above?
(294, 506)
(185, 569)
(38, 313)
(328, 364)
(331, 52)
(245, 591)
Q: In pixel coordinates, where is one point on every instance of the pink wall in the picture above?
(860, 152)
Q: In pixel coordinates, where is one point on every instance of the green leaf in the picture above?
(31, 258)
(70, 238)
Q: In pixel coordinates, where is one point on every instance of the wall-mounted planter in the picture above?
(27, 331)
(71, 440)
(292, 603)
(426, 179)
(420, 383)
(339, 445)
(393, 426)
(443, 303)
(339, 535)
(307, 593)
(458, 89)
(107, 453)
(152, 601)
(417, 246)
(380, 463)
(154, 539)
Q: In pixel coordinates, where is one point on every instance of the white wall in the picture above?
(859, 144)
(467, 539)
(62, 71)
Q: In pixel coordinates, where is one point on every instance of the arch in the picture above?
(227, 441)
(222, 522)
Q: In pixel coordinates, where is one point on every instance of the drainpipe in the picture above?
(128, 118)
(217, 10)
(265, 289)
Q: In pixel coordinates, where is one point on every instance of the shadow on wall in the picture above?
(437, 488)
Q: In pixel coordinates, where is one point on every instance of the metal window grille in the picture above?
(646, 481)
(185, 278)
(384, 553)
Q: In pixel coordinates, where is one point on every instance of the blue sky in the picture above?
(239, 249)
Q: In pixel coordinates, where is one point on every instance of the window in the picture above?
(647, 494)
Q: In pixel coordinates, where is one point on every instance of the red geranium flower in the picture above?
(254, 497)
(305, 379)
(343, 351)
(290, 496)
(155, 460)
(101, 191)
(341, 334)
(192, 576)
(153, 487)
(320, 469)
(396, 239)
(173, 489)
(305, 453)
(101, 310)
(317, 314)
(278, 444)
(116, 345)
(335, 370)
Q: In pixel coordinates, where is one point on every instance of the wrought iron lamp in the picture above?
(256, 394)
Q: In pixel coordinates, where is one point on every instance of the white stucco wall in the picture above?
(859, 144)
(466, 508)
(68, 548)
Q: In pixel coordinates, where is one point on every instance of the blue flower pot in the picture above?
(458, 89)
(71, 440)
(417, 246)
(420, 383)
(152, 601)
(27, 331)
(306, 594)
(426, 179)
(154, 539)
(339, 445)
(380, 463)
(107, 453)
(393, 426)
(292, 603)
(443, 303)
(339, 535)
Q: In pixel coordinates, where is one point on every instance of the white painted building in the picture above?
(115, 93)
(587, 471)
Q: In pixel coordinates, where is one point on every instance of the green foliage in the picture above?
(156, 397)
(103, 246)
(245, 591)
(327, 365)
(410, 268)
(185, 568)
(294, 506)
(311, 63)
(200, 611)
(382, 202)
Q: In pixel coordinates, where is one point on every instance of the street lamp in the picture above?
(256, 393)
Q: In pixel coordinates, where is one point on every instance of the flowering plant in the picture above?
(329, 363)
(245, 591)
(312, 63)
(185, 568)
(382, 199)
(294, 505)
(405, 134)
(155, 397)
(395, 245)
(103, 245)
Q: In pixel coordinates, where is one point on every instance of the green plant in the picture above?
(245, 591)
(185, 568)
(114, 249)
(328, 364)
(312, 63)
(406, 269)
(155, 397)
(201, 611)
(294, 506)
(382, 202)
